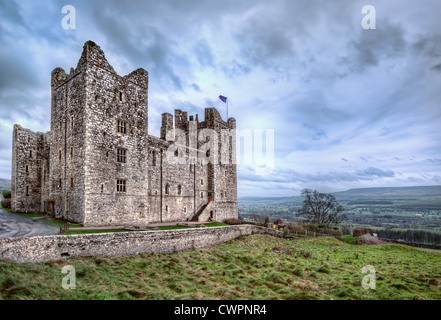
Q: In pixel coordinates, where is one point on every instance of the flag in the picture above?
(224, 99)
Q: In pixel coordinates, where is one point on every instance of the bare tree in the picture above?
(320, 208)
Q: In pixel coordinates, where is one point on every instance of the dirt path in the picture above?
(14, 225)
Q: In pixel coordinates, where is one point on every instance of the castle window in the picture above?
(120, 96)
(176, 153)
(166, 208)
(59, 155)
(30, 154)
(102, 188)
(59, 184)
(71, 182)
(71, 122)
(153, 159)
(167, 187)
(185, 209)
(121, 186)
(71, 152)
(179, 190)
(225, 194)
(27, 190)
(121, 155)
(191, 169)
(202, 195)
(202, 182)
(27, 169)
(222, 195)
(122, 126)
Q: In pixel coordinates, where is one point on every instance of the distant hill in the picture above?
(433, 192)
(5, 184)
(390, 193)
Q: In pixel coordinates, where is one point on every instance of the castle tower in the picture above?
(99, 149)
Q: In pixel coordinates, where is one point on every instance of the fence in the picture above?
(64, 228)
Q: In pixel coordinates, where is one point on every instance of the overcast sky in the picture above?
(349, 107)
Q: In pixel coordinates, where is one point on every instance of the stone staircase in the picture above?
(201, 209)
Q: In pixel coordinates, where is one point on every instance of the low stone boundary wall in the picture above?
(44, 248)
(415, 244)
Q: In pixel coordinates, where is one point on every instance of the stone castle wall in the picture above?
(99, 140)
(44, 248)
(30, 169)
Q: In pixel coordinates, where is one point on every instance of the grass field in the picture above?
(251, 267)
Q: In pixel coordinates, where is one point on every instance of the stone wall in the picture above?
(44, 248)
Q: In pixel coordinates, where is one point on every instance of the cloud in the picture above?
(376, 172)
(330, 90)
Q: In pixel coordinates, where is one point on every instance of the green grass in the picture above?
(211, 224)
(60, 222)
(215, 224)
(173, 227)
(83, 231)
(250, 267)
(349, 238)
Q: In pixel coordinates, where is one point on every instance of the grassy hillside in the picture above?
(252, 267)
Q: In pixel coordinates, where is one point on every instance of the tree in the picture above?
(320, 208)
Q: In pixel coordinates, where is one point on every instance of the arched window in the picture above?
(179, 190)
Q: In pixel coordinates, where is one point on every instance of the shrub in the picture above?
(311, 227)
(6, 203)
(7, 194)
(295, 227)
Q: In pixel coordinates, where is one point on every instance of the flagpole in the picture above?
(227, 109)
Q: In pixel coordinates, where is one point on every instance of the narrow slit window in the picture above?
(153, 159)
(27, 190)
(179, 190)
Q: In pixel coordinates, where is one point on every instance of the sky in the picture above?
(337, 106)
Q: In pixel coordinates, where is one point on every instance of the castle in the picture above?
(98, 166)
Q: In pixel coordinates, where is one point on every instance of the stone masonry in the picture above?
(99, 166)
